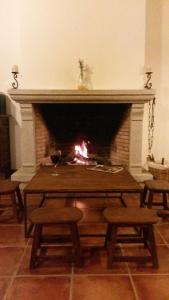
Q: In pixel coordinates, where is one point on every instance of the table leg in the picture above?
(27, 228)
(25, 215)
(142, 199)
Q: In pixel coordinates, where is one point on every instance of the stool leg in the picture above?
(165, 200)
(20, 204)
(144, 196)
(76, 243)
(19, 197)
(15, 212)
(42, 200)
(150, 200)
(111, 245)
(108, 233)
(122, 200)
(35, 245)
(152, 246)
(145, 236)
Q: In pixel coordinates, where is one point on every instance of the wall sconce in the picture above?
(15, 72)
(148, 84)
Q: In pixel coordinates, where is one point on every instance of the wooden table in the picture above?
(77, 180)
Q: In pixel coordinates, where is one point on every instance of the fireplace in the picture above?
(103, 130)
(110, 121)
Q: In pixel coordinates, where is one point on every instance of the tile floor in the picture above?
(54, 280)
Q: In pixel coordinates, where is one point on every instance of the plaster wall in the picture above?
(46, 39)
(156, 55)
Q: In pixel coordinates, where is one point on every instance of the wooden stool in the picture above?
(163, 213)
(11, 188)
(131, 217)
(52, 216)
(156, 187)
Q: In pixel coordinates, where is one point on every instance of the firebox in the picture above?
(101, 129)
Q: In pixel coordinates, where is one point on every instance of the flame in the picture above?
(81, 150)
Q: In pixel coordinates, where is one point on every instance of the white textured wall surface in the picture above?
(10, 53)
(157, 49)
(46, 39)
(55, 34)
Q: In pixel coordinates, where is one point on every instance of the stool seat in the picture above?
(158, 185)
(130, 216)
(7, 186)
(48, 215)
(163, 213)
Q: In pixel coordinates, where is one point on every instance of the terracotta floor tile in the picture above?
(163, 256)
(56, 229)
(158, 237)
(95, 262)
(12, 234)
(52, 278)
(164, 231)
(9, 259)
(40, 288)
(4, 283)
(152, 287)
(46, 267)
(92, 215)
(57, 203)
(113, 202)
(103, 287)
(92, 228)
(90, 203)
(132, 199)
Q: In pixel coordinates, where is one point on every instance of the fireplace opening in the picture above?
(102, 128)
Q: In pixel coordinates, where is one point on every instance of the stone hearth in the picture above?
(27, 98)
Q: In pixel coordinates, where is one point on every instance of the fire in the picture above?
(81, 153)
(81, 150)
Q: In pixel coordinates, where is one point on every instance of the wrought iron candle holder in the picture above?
(15, 73)
(148, 84)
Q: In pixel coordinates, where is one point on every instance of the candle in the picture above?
(148, 69)
(15, 69)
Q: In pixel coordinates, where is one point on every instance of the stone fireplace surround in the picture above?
(26, 99)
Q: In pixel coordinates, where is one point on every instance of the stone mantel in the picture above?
(139, 96)
(26, 99)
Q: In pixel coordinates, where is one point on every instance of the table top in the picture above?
(79, 179)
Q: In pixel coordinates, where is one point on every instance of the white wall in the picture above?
(46, 39)
(54, 34)
(10, 53)
(157, 55)
(10, 40)
(162, 123)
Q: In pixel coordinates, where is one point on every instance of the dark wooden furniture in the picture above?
(5, 165)
(153, 187)
(163, 213)
(78, 180)
(56, 216)
(12, 190)
(130, 217)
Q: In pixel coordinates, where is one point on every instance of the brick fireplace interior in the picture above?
(105, 128)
